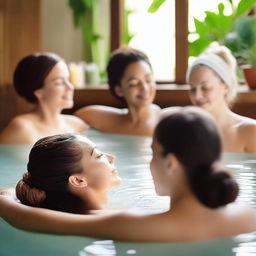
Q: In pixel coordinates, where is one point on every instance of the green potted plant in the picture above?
(242, 42)
(237, 31)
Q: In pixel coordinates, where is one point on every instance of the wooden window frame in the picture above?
(181, 34)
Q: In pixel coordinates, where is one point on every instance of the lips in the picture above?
(143, 97)
(114, 171)
(68, 97)
(201, 104)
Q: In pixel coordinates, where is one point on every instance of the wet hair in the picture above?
(118, 62)
(192, 136)
(31, 72)
(52, 160)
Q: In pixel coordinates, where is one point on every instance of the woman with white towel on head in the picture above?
(213, 86)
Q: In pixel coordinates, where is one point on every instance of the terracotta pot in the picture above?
(250, 76)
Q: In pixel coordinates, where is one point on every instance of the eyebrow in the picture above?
(59, 77)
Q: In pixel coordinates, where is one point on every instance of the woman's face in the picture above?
(158, 167)
(137, 85)
(57, 90)
(206, 89)
(99, 169)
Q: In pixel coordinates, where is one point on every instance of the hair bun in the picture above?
(222, 189)
(28, 195)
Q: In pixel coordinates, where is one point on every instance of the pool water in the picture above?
(137, 192)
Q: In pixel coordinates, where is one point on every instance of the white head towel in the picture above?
(217, 64)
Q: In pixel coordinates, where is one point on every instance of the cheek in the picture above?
(51, 93)
(191, 96)
(100, 178)
(215, 93)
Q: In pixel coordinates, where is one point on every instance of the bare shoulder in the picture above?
(168, 111)
(243, 215)
(247, 132)
(96, 109)
(97, 115)
(155, 107)
(76, 123)
(20, 130)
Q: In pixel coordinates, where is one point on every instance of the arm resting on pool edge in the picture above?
(120, 226)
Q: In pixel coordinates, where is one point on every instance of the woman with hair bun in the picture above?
(185, 166)
(67, 173)
(213, 86)
(43, 80)
(131, 81)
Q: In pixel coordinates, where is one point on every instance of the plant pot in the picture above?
(250, 76)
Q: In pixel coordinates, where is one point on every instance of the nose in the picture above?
(144, 86)
(69, 85)
(197, 94)
(111, 158)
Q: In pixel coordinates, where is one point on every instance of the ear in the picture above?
(118, 91)
(77, 181)
(38, 93)
(172, 163)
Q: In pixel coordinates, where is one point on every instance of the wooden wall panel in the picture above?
(20, 35)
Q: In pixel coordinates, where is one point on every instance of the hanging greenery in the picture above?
(85, 17)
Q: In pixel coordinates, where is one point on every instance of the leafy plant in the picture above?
(242, 40)
(127, 35)
(237, 31)
(216, 25)
(155, 5)
(85, 17)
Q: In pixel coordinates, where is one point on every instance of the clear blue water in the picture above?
(137, 191)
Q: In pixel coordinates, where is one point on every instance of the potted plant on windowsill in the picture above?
(242, 42)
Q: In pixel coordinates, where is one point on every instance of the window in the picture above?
(171, 35)
(154, 34)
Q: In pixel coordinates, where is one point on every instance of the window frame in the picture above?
(181, 34)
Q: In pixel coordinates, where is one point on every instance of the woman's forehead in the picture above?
(88, 143)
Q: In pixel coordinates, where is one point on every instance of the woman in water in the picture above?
(67, 173)
(213, 86)
(185, 166)
(130, 79)
(43, 80)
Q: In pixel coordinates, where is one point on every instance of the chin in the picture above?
(69, 105)
(116, 182)
(160, 192)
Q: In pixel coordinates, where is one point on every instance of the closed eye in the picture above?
(99, 156)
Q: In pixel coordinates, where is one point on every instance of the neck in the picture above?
(185, 202)
(140, 114)
(95, 201)
(50, 116)
(222, 115)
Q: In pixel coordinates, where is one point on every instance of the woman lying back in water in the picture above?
(185, 166)
(67, 173)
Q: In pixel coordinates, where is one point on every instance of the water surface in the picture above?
(137, 191)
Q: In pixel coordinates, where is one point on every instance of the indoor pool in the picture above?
(137, 192)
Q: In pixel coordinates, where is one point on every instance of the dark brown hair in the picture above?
(31, 72)
(118, 62)
(52, 160)
(192, 136)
